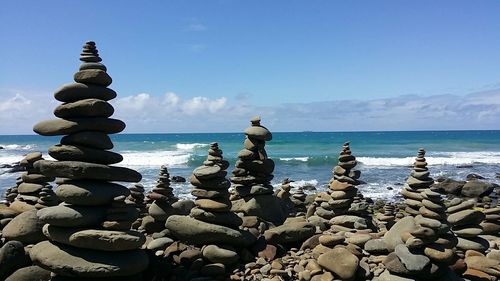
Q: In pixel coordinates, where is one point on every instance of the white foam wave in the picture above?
(445, 158)
(190, 146)
(304, 183)
(301, 159)
(17, 146)
(154, 158)
(10, 159)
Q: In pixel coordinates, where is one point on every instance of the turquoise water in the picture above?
(306, 157)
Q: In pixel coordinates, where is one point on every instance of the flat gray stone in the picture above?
(90, 193)
(63, 152)
(412, 262)
(93, 139)
(93, 76)
(82, 170)
(79, 91)
(58, 127)
(72, 216)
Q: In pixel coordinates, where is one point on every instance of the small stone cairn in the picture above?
(252, 178)
(298, 199)
(386, 219)
(284, 194)
(33, 186)
(163, 197)
(417, 181)
(88, 233)
(137, 197)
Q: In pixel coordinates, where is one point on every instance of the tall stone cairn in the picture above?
(252, 178)
(417, 181)
(88, 233)
(32, 184)
(162, 196)
(337, 204)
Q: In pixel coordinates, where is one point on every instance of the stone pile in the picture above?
(491, 222)
(30, 188)
(284, 194)
(89, 233)
(417, 181)
(137, 197)
(163, 197)
(338, 204)
(252, 176)
(211, 223)
(47, 198)
(298, 199)
(466, 225)
(386, 219)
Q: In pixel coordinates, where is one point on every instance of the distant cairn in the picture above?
(89, 235)
(417, 181)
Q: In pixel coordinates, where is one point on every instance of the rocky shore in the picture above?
(89, 226)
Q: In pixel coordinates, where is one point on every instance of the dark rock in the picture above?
(30, 273)
(93, 139)
(12, 257)
(84, 108)
(476, 188)
(26, 228)
(178, 179)
(78, 91)
(449, 186)
(57, 127)
(63, 152)
(474, 177)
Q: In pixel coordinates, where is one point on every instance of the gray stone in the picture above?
(58, 127)
(217, 254)
(63, 152)
(76, 262)
(90, 193)
(375, 246)
(466, 217)
(30, 273)
(82, 170)
(72, 216)
(160, 244)
(26, 228)
(25, 188)
(93, 76)
(226, 219)
(12, 257)
(93, 139)
(259, 132)
(293, 232)
(78, 91)
(341, 262)
(476, 188)
(393, 236)
(84, 108)
(412, 262)
(96, 239)
(197, 232)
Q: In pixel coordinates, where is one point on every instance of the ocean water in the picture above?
(385, 158)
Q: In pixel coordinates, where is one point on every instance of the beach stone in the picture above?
(476, 275)
(103, 240)
(214, 269)
(476, 188)
(387, 276)
(26, 228)
(197, 232)
(25, 188)
(209, 194)
(438, 253)
(30, 273)
(375, 246)
(36, 178)
(57, 127)
(213, 205)
(159, 244)
(449, 186)
(269, 208)
(484, 264)
(78, 262)
(465, 217)
(92, 139)
(82, 170)
(259, 133)
(84, 108)
(63, 152)
(412, 262)
(216, 254)
(93, 76)
(341, 262)
(90, 193)
(12, 257)
(468, 231)
(291, 232)
(72, 216)
(393, 236)
(226, 219)
(474, 243)
(79, 91)
(394, 264)
(208, 172)
(468, 204)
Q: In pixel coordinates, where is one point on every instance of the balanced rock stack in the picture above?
(47, 198)
(298, 199)
(252, 177)
(163, 197)
(284, 194)
(88, 233)
(336, 204)
(386, 219)
(491, 222)
(466, 225)
(32, 184)
(210, 221)
(137, 197)
(417, 181)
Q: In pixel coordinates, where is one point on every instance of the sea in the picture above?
(307, 158)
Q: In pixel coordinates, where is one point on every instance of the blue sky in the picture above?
(212, 60)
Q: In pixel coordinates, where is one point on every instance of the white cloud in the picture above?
(14, 104)
(196, 27)
(201, 104)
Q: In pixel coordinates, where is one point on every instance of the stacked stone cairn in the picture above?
(33, 186)
(466, 225)
(298, 199)
(417, 181)
(211, 223)
(284, 194)
(252, 177)
(163, 198)
(385, 220)
(491, 222)
(89, 233)
(336, 205)
(137, 197)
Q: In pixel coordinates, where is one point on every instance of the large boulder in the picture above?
(293, 232)
(77, 262)
(477, 188)
(26, 228)
(449, 186)
(340, 262)
(267, 207)
(197, 232)
(12, 257)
